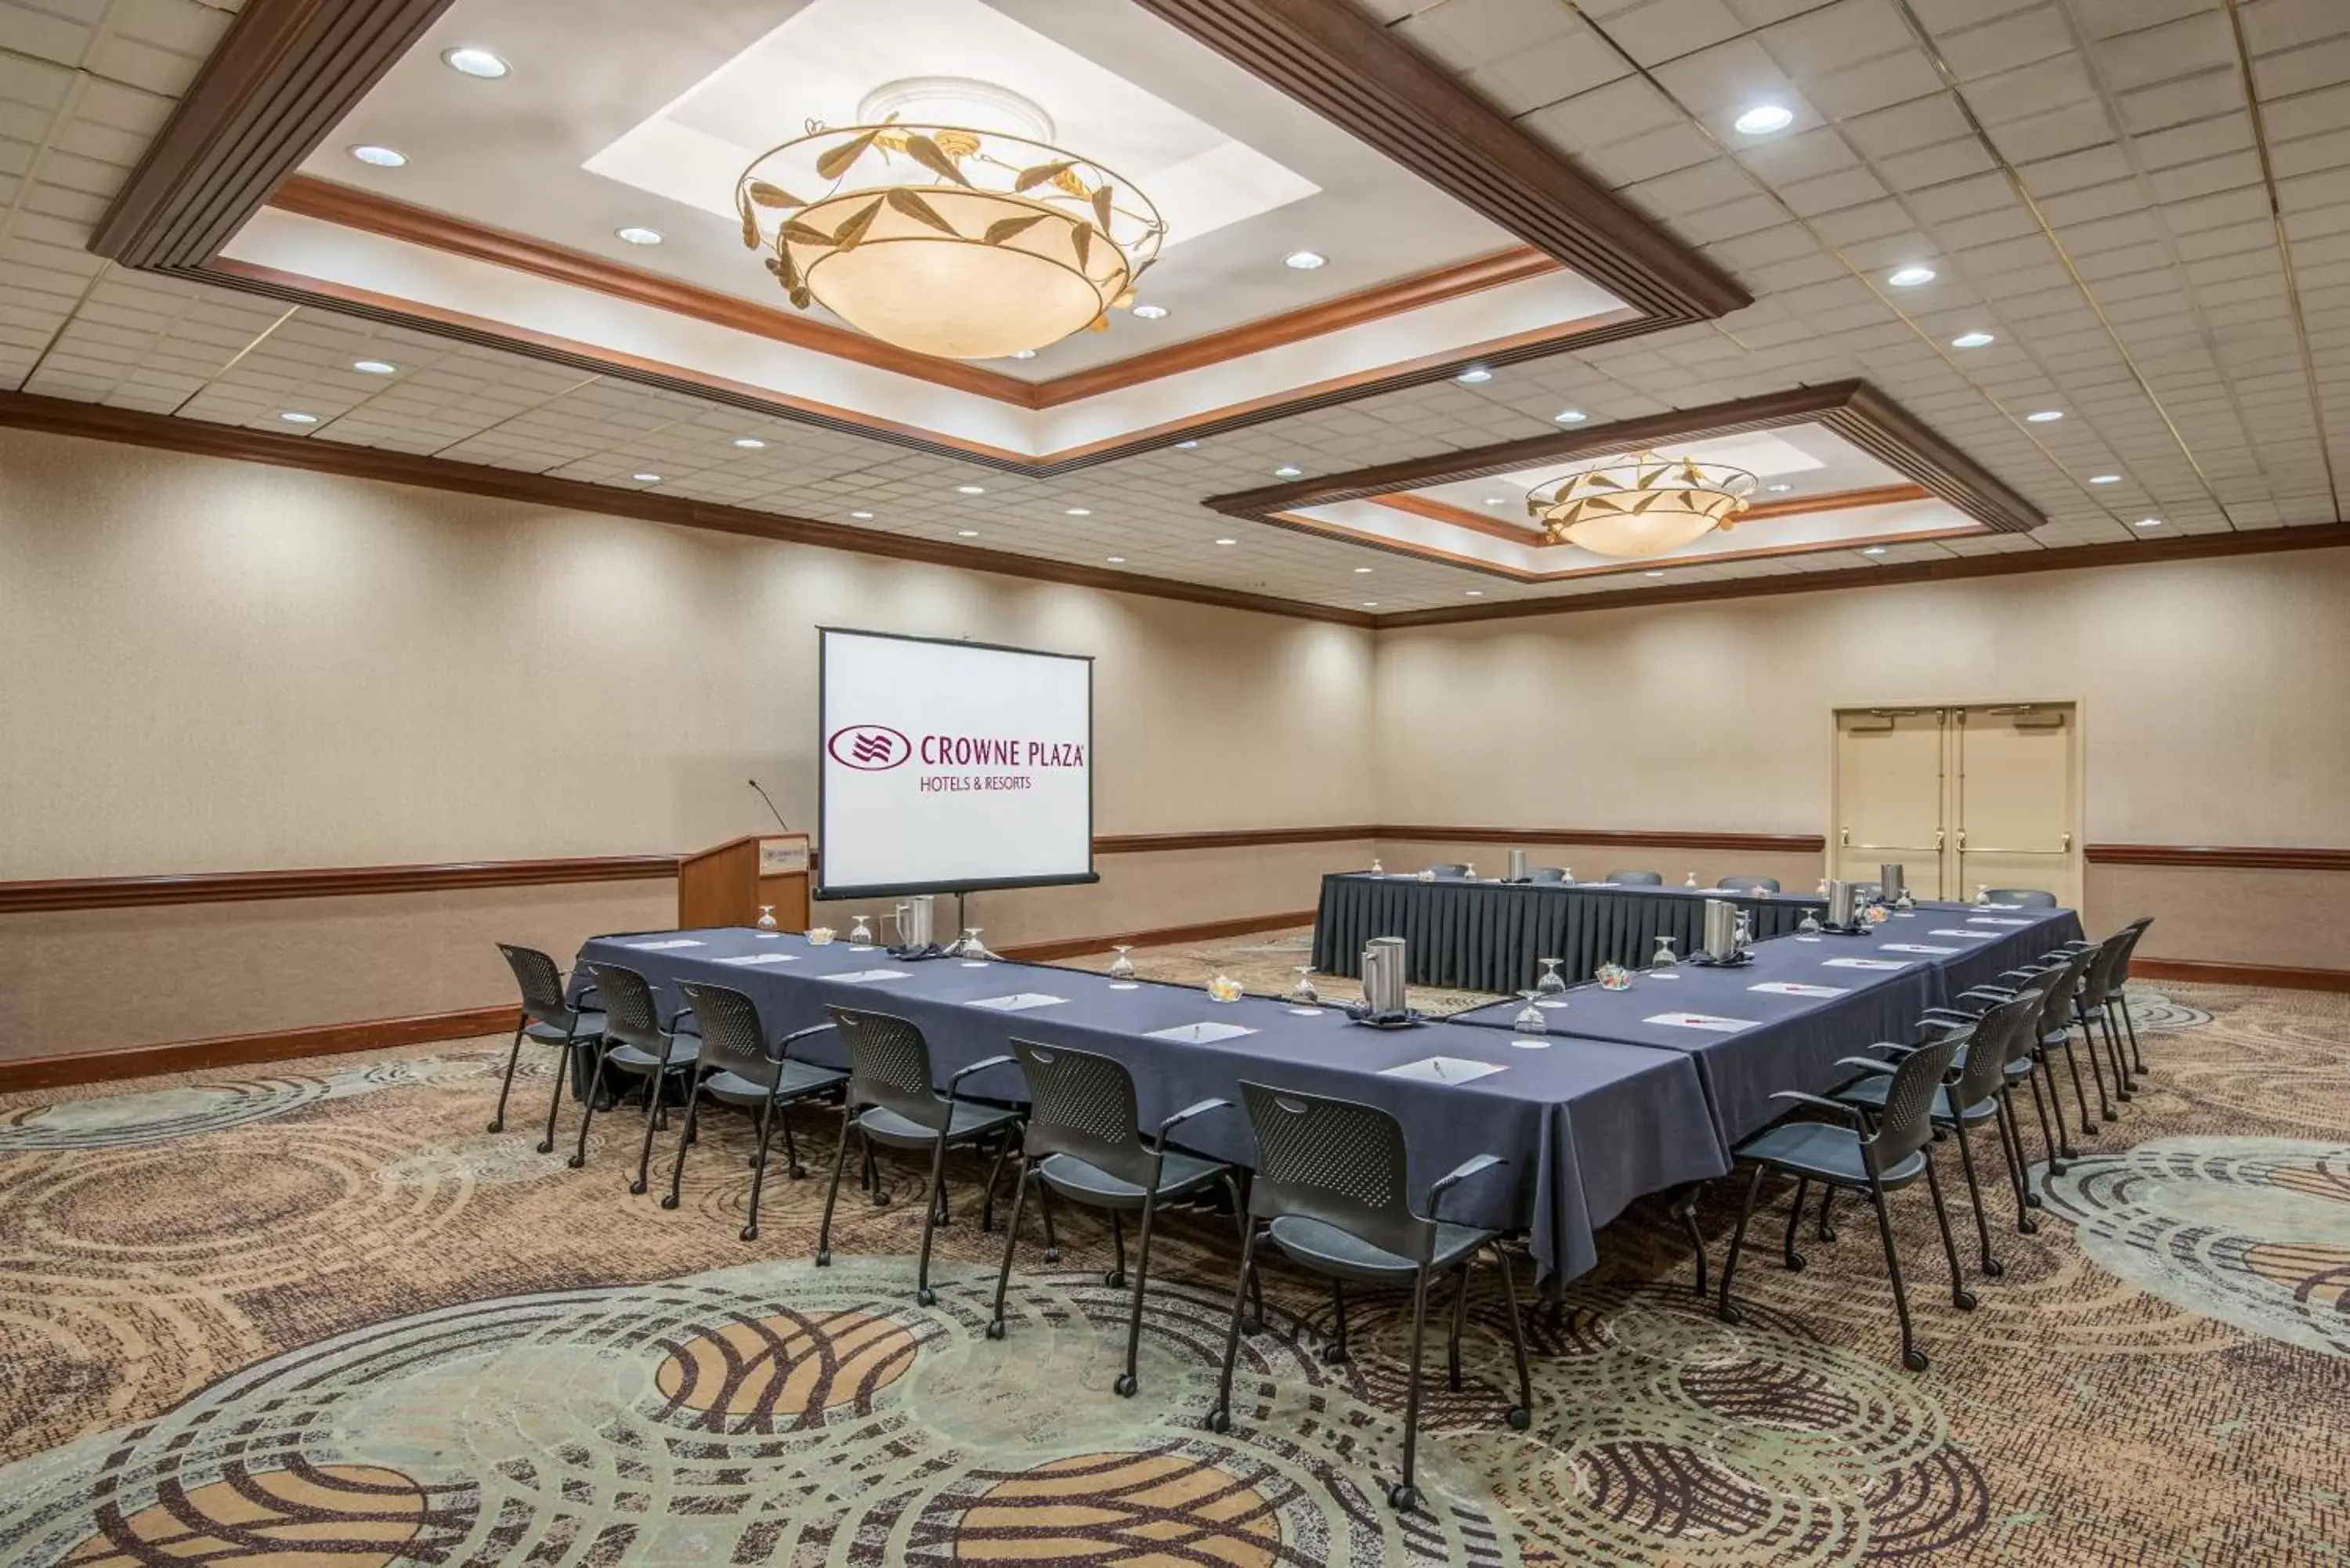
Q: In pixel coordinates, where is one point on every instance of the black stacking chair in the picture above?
(1332, 1190)
(640, 1042)
(2092, 1007)
(2028, 898)
(1976, 1093)
(548, 1018)
(2029, 1060)
(1749, 883)
(1637, 878)
(1548, 874)
(2055, 1028)
(1450, 869)
(1860, 1158)
(1084, 1141)
(890, 1102)
(2117, 990)
(738, 1067)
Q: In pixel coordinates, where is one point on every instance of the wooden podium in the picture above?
(724, 886)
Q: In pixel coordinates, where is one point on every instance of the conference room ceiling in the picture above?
(2160, 259)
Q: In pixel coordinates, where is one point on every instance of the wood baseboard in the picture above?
(239, 1050)
(1208, 931)
(2274, 975)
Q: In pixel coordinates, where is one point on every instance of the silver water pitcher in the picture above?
(1517, 865)
(1720, 939)
(1844, 905)
(915, 920)
(1383, 975)
(1890, 882)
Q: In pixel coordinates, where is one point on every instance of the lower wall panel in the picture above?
(2228, 915)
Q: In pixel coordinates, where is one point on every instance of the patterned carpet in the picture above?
(317, 1315)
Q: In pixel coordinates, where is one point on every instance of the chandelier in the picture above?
(960, 242)
(1639, 504)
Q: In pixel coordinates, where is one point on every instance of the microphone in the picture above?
(771, 805)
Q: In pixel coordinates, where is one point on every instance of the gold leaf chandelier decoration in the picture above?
(948, 240)
(1639, 504)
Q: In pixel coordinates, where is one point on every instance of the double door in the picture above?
(1961, 797)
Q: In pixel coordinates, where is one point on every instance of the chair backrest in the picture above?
(541, 984)
(1450, 869)
(889, 1067)
(1750, 884)
(2135, 930)
(2033, 992)
(1907, 1123)
(1999, 1036)
(2098, 983)
(2057, 1017)
(1082, 1104)
(1548, 874)
(1336, 1161)
(732, 1036)
(630, 1015)
(2029, 897)
(1637, 878)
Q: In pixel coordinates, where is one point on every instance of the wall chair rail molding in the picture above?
(2216, 857)
(243, 1050)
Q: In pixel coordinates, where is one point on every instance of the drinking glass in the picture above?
(1664, 957)
(1550, 984)
(767, 917)
(1690, 880)
(1982, 892)
(1121, 967)
(1810, 924)
(1530, 1020)
(972, 948)
(1743, 937)
(1468, 870)
(1377, 869)
(1302, 993)
(859, 933)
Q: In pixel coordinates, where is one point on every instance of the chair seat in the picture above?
(1328, 1250)
(796, 1080)
(1871, 1092)
(591, 1026)
(1829, 1153)
(969, 1121)
(683, 1051)
(1081, 1182)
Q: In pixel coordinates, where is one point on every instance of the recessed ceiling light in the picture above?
(1656, 574)
(1874, 550)
(2105, 479)
(1117, 560)
(971, 490)
(1185, 445)
(2149, 522)
(1569, 417)
(1228, 541)
(1764, 119)
(966, 532)
(1778, 489)
(1474, 594)
(1473, 375)
(637, 236)
(1024, 353)
(1497, 501)
(749, 444)
(1362, 571)
(1910, 276)
(1287, 472)
(1370, 604)
(1304, 261)
(379, 157)
(645, 478)
(2045, 416)
(374, 368)
(862, 516)
(294, 419)
(1973, 340)
(478, 63)
(1080, 512)
(1150, 312)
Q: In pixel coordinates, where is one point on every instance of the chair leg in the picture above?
(587, 1113)
(2136, 1057)
(924, 1294)
(872, 1173)
(2060, 1144)
(685, 1141)
(1960, 1297)
(2010, 1142)
(1521, 1414)
(1911, 1356)
(1403, 1498)
(994, 1170)
(2106, 1111)
(652, 1119)
(1787, 1253)
(1045, 1208)
(1459, 1321)
(554, 1106)
(1684, 1209)
(1991, 1267)
(1115, 1278)
(1126, 1385)
(832, 1193)
(2127, 1089)
(791, 1165)
(1828, 1231)
(1241, 1219)
(767, 1118)
(1220, 1417)
(514, 1055)
(1335, 1353)
(2080, 1094)
(1011, 1245)
(1725, 1309)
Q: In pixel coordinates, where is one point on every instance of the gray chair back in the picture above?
(1907, 1123)
(731, 1035)
(1637, 878)
(2135, 930)
(2098, 983)
(2001, 1035)
(541, 984)
(1750, 884)
(1548, 874)
(1336, 1161)
(630, 1015)
(2029, 897)
(2057, 1017)
(1082, 1104)
(889, 1067)
(1450, 869)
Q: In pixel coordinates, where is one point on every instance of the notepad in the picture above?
(1442, 1070)
(1865, 963)
(1201, 1033)
(766, 936)
(1979, 936)
(1797, 988)
(1810, 939)
(662, 947)
(1119, 984)
(1705, 1021)
(746, 960)
(1660, 975)
(1020, 1002)
(1916, 948)
(1987, 921)
(859, 976)
(1531, 1044)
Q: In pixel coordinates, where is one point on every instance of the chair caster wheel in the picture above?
(1520, 1418)
(1402, 1498)
(1052, 1255)
(2109, 1117)
(2028, 1226)
(1126, 1385)
(752, 1163)
(799, 1173)
(880, 1200)
(995, 1328)
(1728, 1313)
(1113, 1280)
(2032, 1200)
(1219, 1420)
(1915, 1360)
(1963, 1300)
(1333, 1355)
(824, 1257)
(1827, 1233)
(926, 1297)
(575, 1161)
(546, 1148)
(637, 1188)
(1794, 1261)
(748, 1233)
(497, 1127)
(1993, 1268)
(668, 1200)
(1251, 1326)
(2059, 1166)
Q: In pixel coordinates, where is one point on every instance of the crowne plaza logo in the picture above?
(869, 748)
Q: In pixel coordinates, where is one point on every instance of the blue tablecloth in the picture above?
(1789, 1040)
(1586, 1126)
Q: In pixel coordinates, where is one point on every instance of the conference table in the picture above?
(1474, 934)
(1586, 1125)
(1801, 1003)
